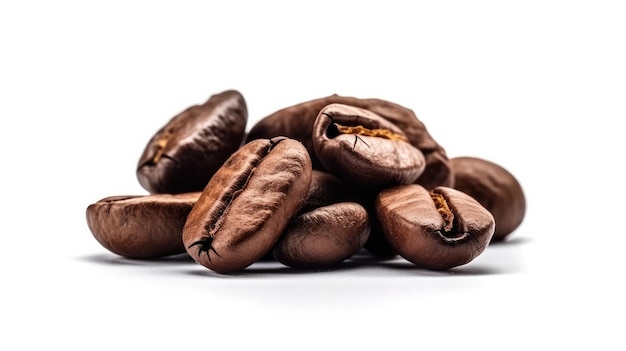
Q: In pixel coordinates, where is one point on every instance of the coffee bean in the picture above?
(495, 188)
(184, 154)
(247, 204)
(297, 122)
(323, 237)
(141, 226)
(326, 189)
(438, 229)
(363, 148)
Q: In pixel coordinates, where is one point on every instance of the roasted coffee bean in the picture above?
(493, 187)
(438, 229)
(360, 147)
(326, 189)
(141, 226)
(184, 154)
(297, 122)
(323, 237)
(247, 204)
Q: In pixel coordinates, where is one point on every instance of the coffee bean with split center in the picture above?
(184, 154)
(247, 204)
(362, 148)
(438, 229)
(296, 122)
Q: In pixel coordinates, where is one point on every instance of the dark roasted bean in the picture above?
(247, 204)
(493, 187)
(326, 189)
(438, 229)
(360, 147)
(141, 226)
(297, 122)
(323, 237)
(184, 154)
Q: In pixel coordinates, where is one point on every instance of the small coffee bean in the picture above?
(184, 154)
(495, 188)
(297, 122)
(363, 148)
(438, 229)
(323, 237)
(247, 204)
(141, 226)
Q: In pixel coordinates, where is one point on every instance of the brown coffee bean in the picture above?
(493, 187)
(323, 237)
(438, 230)
(247, 204)
(297, 122)
(326, 189)
(184, 154)
(360, 147)
(141, 226)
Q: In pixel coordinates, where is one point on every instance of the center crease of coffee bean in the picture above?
(445, 212)
(240, 185)
(379, 133)
(160, 149)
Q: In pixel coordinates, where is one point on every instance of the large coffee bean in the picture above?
(184, 154)
(438, 229)
(297, 122)
(493, 187)
(247, 204)
(323, 237)
(141, 226)
(360, 147)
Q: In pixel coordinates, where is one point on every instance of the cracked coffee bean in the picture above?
(362, 148)
(493, 187)
(141, 226)
(247, 204)
(438, 229)
(297, 122)
(184, 154)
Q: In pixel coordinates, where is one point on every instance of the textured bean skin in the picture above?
(184, 154)
(323, 237)
(495, 188)
(297, 122)
(141, 226)
(326, 189)
(417, 229)
(247, 204)
(364, 159)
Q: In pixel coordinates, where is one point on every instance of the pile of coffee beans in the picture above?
(308, 186)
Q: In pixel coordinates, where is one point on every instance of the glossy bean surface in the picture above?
(247, 204)
(438, 229)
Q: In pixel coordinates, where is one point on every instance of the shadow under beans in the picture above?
(274, 268)
(510, 242)
(110, 259)
(465, 270)
(503, 257)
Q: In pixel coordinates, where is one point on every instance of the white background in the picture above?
(536, 86)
